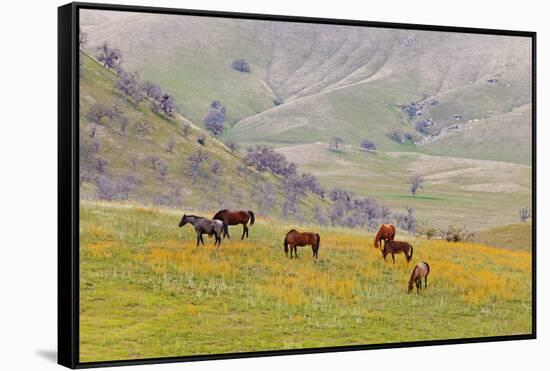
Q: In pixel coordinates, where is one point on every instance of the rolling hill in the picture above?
(310, 82)
(148, 161)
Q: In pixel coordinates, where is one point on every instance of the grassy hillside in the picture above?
(514, 236)
(125, 156)
(457, 191)
(147, 291)
(331, 80)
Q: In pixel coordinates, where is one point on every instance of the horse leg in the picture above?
(242, 236)
(246, 231)
(198, 239)
(202, 240)
(425, 282)
(393, 257)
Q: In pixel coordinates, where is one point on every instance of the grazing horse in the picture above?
(294, 238)
(203, 225)
(396, 247)
(385, 233)
(421, 270)
(233, 218)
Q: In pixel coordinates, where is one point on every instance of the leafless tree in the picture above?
(108, 57)
(415, 183)
(185, 129)
(524, 214)
(336, 144)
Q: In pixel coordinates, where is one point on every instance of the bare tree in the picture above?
(144, 128)
(82, 39)
(98, 111)
(336, 144)
(108, 57)
(407, 221)
(128, 84)
(233, 146)
(524, 214)
(216, 168)
(185, 129)
(415, 183)
(151, 90)
(170, 145)
(194, 165)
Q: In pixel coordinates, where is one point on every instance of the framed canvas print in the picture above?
(237, 185)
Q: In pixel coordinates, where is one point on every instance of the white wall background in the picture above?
(28, 155)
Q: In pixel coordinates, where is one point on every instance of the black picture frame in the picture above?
(68, 190)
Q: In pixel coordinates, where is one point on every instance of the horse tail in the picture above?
(427, 265)
(225, 230)
(318, 240)
(252, 218)
(411, 254)
(377, 239)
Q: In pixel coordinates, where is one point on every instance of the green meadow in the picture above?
(147, 291)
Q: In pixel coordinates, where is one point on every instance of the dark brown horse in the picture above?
(294, 238)
(385, 233)
(396, 247)
(229, 217)
(421, 270)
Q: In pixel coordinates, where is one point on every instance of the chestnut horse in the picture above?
(386, 232)
(294, 238)
(233, 218)
(396, 247)
(421, 270)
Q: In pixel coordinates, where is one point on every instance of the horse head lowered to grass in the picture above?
(385, 233)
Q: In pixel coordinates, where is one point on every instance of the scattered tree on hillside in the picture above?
(98, 111)
(202, 139)
(216, 168)
(151, 90)
(312, 184)
(92, 131)
(416, 182)
(153, 160)
(167, 105)
(233, 146)
(264, 195)
(82, 39)
(185, 129)
(336, 144)
(194, 165)
(240, 65)
(321, 216)
(214, 120)
(128, 85)
(396, 135)
(368, 145)
(144, 128)
(457, 234)
(109, 57)
(265, 158)
(524, 214)
(406, 221)
(123, 121)
(108, 189)
(170, 145)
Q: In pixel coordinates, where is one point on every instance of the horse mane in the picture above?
(195, 216)
(220, 212)
(289, 232)
(427, 265)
